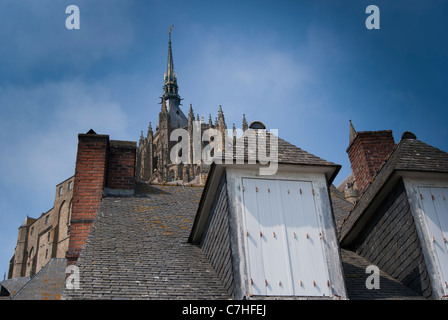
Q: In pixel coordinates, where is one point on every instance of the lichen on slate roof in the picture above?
(137, 249)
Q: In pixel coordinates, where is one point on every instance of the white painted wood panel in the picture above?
(435, 209)
(272, 237)
(293, 217)
(283, 235)
(255, 255)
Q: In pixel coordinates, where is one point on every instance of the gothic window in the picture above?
(60, 190)
(155, 162)
(30, 257)
(69, 216)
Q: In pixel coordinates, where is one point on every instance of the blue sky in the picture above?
(303, 67)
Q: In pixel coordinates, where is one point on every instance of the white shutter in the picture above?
(308, 265)
(255, 254)
(435, 207)
(284, 248)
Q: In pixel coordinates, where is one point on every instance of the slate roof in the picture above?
(354, 266)
(287, 152)
(355, 281)
(13, 285)
(341, 208)
(409, 154)
(137, 249)
(47, 284)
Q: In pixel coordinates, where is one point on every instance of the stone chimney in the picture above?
(367, 152)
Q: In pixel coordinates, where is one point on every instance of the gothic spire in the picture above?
(234, 134)
(221, 120)
(245, 127)
(149, 130)
(170, 88)
(352, 133)
(190, 115)
(170, 64)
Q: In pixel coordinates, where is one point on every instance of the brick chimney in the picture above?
(101, 165)
(367, 152)
(121, 165)
(90, 179)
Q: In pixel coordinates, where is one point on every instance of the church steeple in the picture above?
(170, 88)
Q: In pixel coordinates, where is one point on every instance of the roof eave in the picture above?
(358, 218)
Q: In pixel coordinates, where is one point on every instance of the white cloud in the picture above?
(39, 128)
(255, 77)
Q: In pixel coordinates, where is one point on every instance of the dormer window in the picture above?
(282, 236)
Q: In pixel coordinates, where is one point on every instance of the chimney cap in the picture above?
(408, 135)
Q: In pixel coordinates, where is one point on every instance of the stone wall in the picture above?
(46, 237)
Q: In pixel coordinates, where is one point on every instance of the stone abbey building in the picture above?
(42, 239)
(153, 154)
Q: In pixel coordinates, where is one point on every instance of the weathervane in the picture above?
(171, 28)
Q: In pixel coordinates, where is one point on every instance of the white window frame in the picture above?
(234, 176)
(413, 183)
